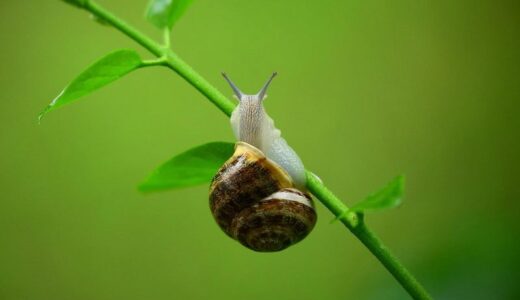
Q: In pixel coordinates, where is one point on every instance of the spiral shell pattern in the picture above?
(254, 201)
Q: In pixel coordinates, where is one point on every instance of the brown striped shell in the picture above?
(254, 201)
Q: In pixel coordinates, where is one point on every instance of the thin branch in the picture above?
(391, 263)
(166, 38)
(174, 62)
(353, 221)
(162, 61)
(122, 26)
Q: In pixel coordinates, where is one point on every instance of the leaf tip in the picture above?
(143, 188)
(42, 114)
(148, 186)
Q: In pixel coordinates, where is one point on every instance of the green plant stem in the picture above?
(153, 62)
(354, 222)
(202, 85)
(391, 263)
(166, 38)
(173, 61)
(122, 26)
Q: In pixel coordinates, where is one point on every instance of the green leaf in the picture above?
(78, 3)
(164, 13)
(388, 197)
(104, 71)
(193, 167)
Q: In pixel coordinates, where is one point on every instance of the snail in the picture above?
(258, 196)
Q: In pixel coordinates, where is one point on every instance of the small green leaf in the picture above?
(104, 71)
(78, 3)
(164, 13)
(388, 197)
(193, 167)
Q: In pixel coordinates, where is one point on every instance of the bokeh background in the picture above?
(367, 90)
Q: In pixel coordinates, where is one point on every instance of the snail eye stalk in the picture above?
(237, 91)
(261, 93)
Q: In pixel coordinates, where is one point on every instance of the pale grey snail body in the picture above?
(258, 196)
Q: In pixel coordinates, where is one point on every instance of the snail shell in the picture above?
(254, 201)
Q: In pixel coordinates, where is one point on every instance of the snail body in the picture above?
(258, 196)
(251, 124)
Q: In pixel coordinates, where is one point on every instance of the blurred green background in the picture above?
(367, 90)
